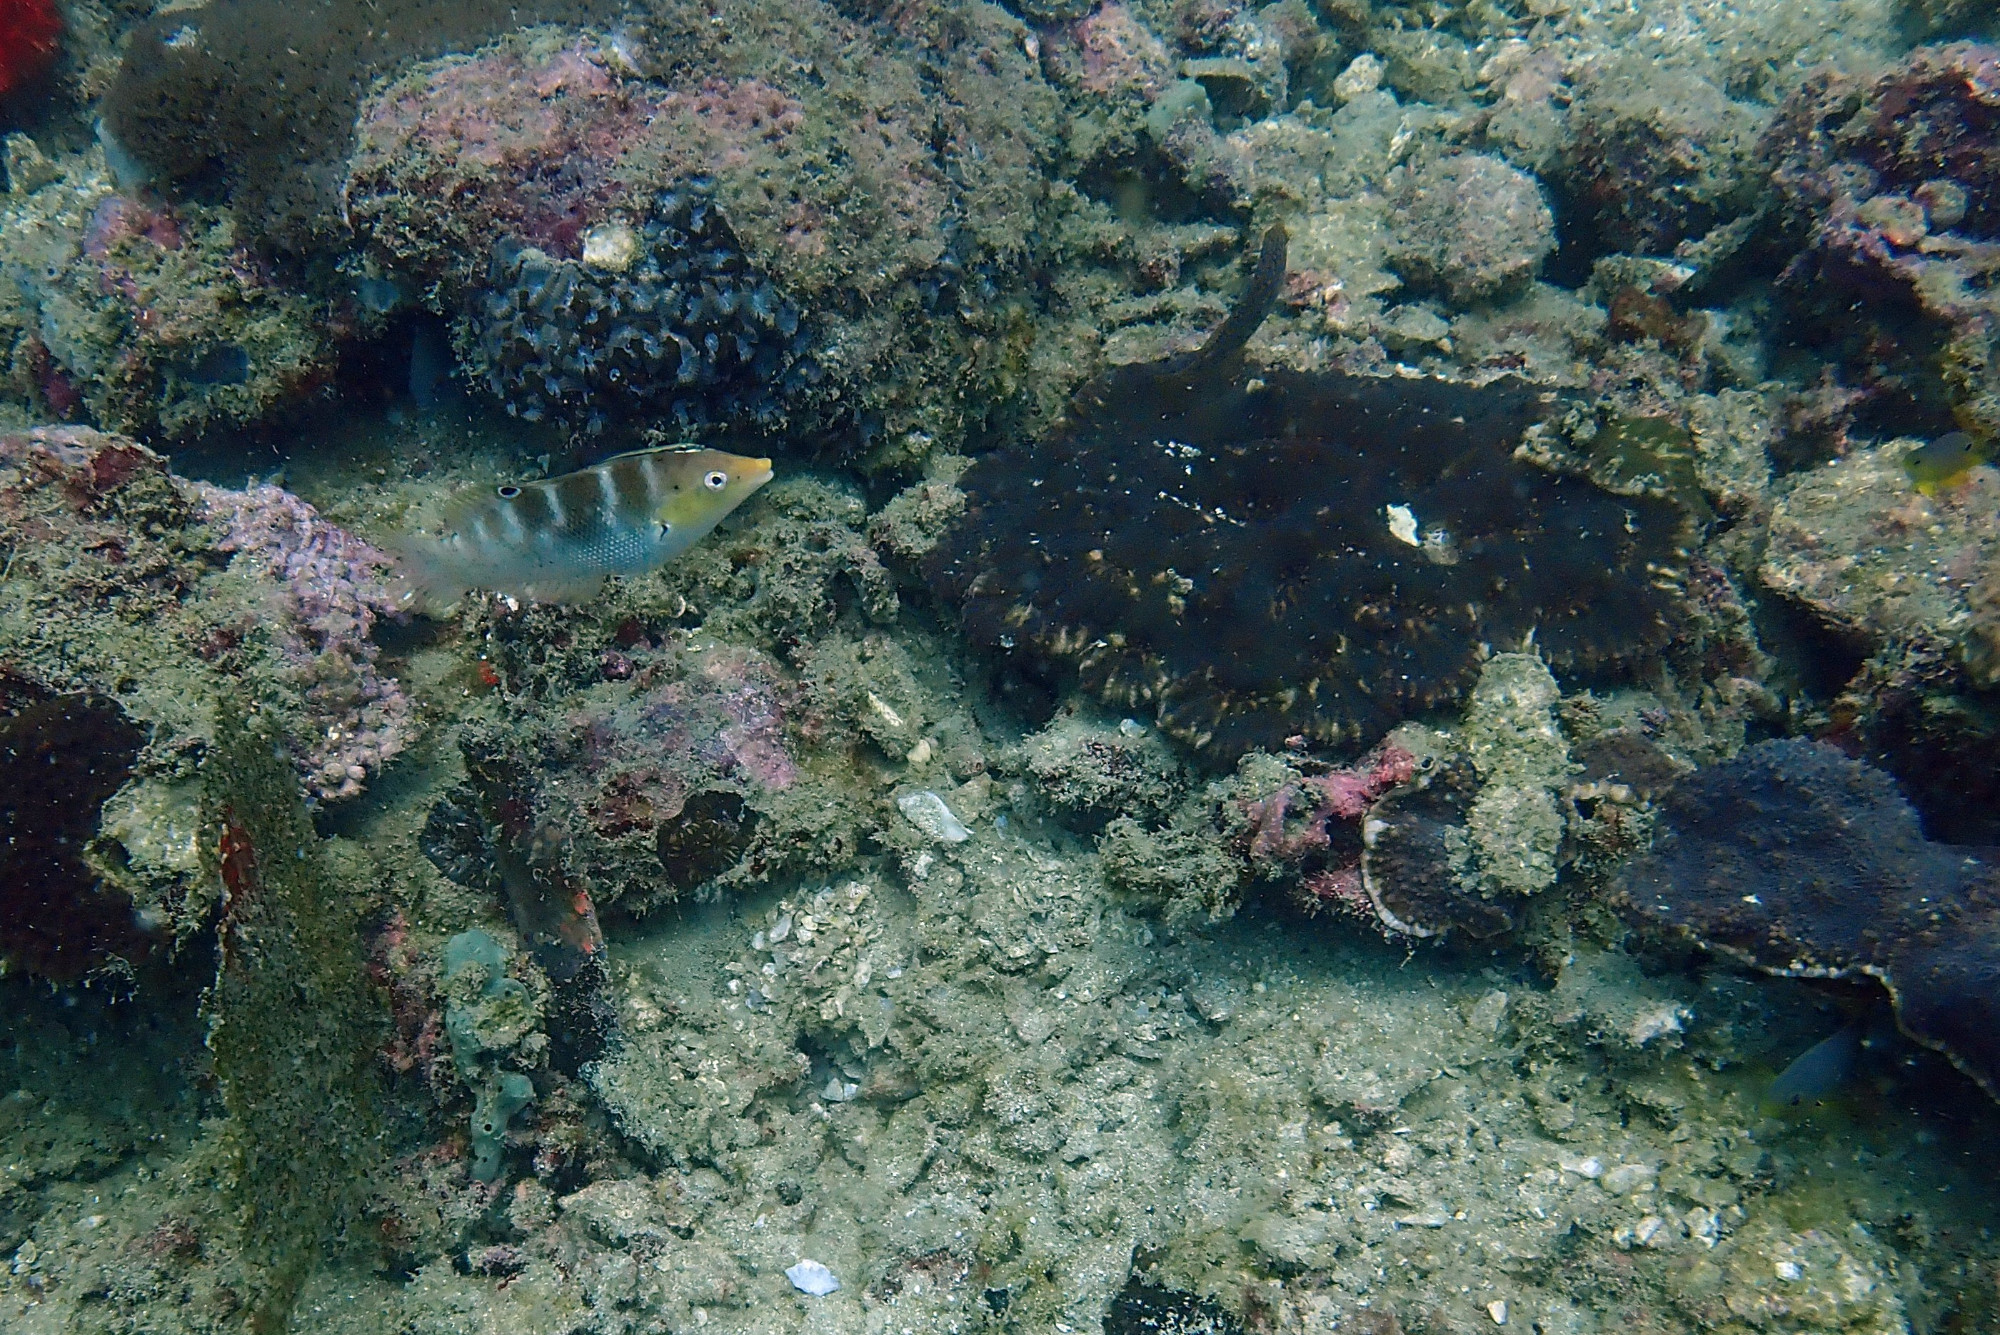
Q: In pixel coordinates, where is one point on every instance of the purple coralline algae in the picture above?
(327, 588)
(456, 157)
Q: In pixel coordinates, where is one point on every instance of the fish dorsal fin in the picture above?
(682, 447)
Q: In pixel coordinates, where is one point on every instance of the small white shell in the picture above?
(927, 811)
(809, 1276)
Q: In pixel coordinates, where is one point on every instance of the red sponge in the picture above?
(29, 30)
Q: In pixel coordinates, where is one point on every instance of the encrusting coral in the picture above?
(1800, 861)
(1250, 554)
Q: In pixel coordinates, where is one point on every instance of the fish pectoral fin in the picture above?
(564, 588)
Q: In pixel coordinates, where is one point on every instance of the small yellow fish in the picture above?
(556, 540)
(1944, 462)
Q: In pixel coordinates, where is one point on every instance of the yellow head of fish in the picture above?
(1945, 462)
(710, 482)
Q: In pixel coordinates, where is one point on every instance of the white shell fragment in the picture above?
(610, 246)
(809, 1276)
(1403, 524)
(927, 811)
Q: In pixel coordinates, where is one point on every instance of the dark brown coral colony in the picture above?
(1251, 553)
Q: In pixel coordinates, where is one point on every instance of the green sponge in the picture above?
(496, 1106)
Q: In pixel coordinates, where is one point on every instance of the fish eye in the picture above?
(716, 480)
(509, 492)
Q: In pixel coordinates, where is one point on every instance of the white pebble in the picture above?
(927, 811)
(809, 1276)
(1362, 76)
(1497, 1309)
(1629, 1177)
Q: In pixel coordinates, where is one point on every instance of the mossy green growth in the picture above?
(1653, 456)
(1514, 742)
(292, 1025)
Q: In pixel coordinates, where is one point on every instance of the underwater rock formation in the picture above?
(1470, 226)
(292, 1024)
(1250, 554)
(256, 99)
(649, 787)
(625, 246)
(1801, 862)
(1888, 185)
(170, 596)
(1658, 155)
(151, 318)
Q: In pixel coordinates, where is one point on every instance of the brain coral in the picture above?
(1253, 553)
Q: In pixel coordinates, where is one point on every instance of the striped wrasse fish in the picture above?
(556, 540)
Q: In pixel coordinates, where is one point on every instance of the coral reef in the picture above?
(170, 596)
(1483, 829)
(257, 100)
(1658, 155)
(752, 953)
(508, 184)
(1208, 543)
(327, 590)
(487, 1014)
(1886, 183)
(1802, 862)
(154, 319)
(680, 335)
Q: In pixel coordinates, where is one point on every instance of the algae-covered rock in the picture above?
(291, 1023)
